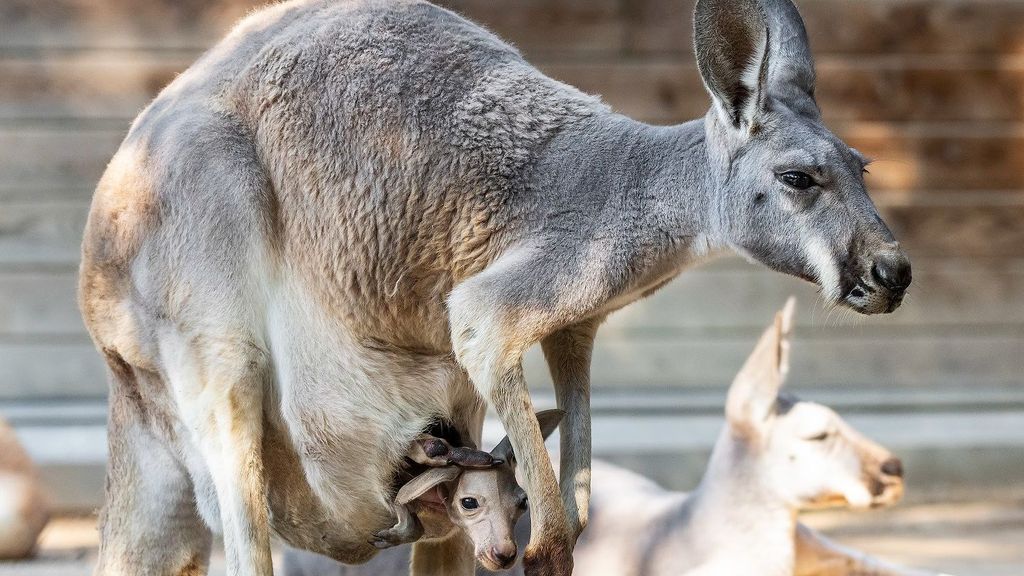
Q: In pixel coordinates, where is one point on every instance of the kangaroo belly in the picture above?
(345, 412)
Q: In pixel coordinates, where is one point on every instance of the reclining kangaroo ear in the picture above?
(755, 390)
(730, 39)
(548, 421)
(419, 485)
(437, 452)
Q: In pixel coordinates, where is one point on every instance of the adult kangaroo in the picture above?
(352, 217)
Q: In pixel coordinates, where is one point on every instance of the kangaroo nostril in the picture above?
(893, 467)
(503, 556)
(892, 272)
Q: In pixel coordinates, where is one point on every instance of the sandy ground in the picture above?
(969, 539)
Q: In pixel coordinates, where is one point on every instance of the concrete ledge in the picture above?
(956, 444)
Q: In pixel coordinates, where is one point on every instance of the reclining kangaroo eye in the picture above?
(819, 437)
(469, 503)
(796, 179)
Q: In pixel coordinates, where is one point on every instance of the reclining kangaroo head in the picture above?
(479, 494)
(791, 194)
(804, 451)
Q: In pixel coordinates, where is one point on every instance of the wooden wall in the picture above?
(932, 89)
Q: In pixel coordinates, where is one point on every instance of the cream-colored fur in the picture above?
(23, 508)
(776, 456)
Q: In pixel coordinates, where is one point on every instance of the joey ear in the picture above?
(548, 421)
(731, 40)
(755, 390)
(419, 485)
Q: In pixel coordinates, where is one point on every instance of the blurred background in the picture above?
(933, 90)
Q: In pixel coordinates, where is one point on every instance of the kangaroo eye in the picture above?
(523, 502)
(796, 179)
(469, 503)
(819, 437)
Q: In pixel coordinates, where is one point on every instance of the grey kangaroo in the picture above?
(351, 217)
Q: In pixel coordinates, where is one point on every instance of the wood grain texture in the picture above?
(857, 26)
(72, 369)
(908, 156)
(870, 360)
(716, 299)
(932, 89)
(116, 84)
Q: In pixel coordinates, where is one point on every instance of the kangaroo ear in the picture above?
(419, 485)
(791, 73)
(730, 39)
(548, 421)
(755, 390)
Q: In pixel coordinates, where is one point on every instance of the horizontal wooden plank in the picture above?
(39, 304)
(21, 193)
(44, 234)
(57, 157)
(540, 27)
(50, 233)
(856, 26)
(963, 231)
(868, 361)
(116, 84)
(93, 84)
(713, 300)
(65, 370)
(667, 91)
(944, 156)
(943, 295)
(29, 24)
(552, 26)
(950, 156)
(35, 370)
(578, 26)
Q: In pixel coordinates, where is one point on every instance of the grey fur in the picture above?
(352, 216)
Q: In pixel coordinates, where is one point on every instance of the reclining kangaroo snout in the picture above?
(806, 453)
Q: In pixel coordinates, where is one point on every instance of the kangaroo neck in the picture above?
(735, 508)
(619, 177)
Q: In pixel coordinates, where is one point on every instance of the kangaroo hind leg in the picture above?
(149, 523)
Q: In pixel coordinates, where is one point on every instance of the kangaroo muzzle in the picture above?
(880, 288)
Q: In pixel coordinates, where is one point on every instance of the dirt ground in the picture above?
(968, 539)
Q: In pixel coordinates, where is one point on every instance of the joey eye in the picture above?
(524, 502)
(819, 437)
(796, 179)
(469, 503)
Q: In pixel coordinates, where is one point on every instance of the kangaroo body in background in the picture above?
(777, 455)
(351, 217)
(23, 508)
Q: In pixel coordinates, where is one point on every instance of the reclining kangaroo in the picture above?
(776, 456)
(350, 217)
